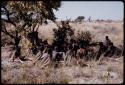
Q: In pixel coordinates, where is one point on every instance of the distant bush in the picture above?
(80, 19)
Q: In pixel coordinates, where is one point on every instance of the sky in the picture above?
(96, 9)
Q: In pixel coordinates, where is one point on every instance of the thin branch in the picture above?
(37, 28)
(7, 33)
(9, 22)
(34, 27)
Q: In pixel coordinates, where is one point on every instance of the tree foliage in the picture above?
(63, 33)
(80, 18)
(26, 15)
(26, 9)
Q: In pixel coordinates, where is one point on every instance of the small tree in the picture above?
(61, 35)
(80, 19)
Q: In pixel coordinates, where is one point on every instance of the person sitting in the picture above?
(102, 49)
(107, 42)
(111, 50)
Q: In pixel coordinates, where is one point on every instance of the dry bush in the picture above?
(84, 35)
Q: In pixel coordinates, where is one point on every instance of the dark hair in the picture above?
(111, 44)
(106, 37)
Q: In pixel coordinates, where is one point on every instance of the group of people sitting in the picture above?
(81, 49)
(75, 50)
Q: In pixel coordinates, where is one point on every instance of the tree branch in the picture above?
(9, 21)
(7, 33)
(37, 28)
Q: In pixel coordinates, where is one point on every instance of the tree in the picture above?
(62, 33)
(25, 16)
(80, 18)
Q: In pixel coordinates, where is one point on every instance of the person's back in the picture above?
(102, 49)
(80, 53)
(107, 41)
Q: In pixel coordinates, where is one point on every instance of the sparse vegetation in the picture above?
(68, 37)
(93, 73)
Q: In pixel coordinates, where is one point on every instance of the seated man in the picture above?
(107, 42)
(102, 49)
(110, 51)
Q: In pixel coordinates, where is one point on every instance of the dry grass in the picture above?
(93, 73)
(114, 30)
(106, 70)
